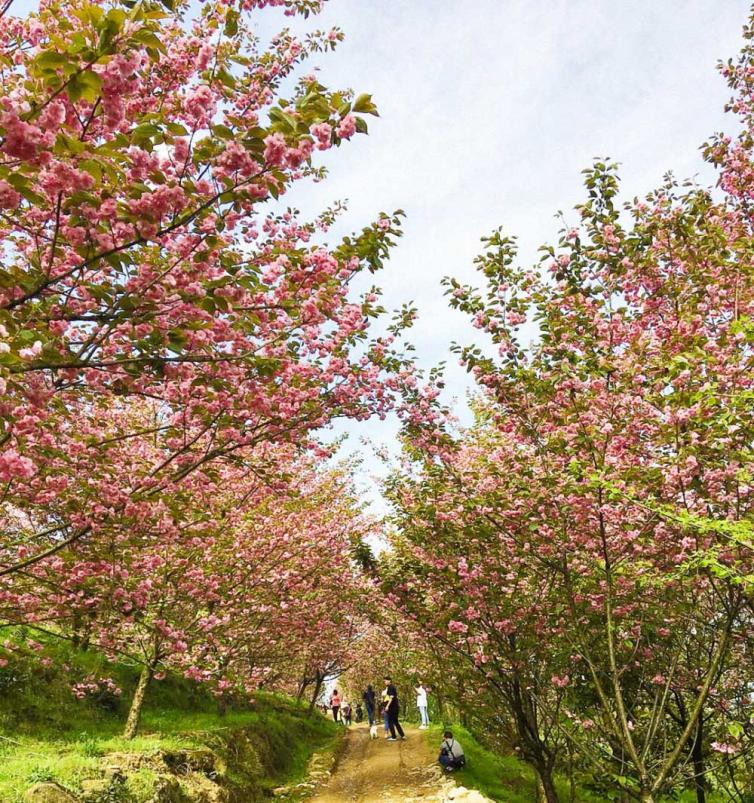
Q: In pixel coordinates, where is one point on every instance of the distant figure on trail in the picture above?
(335, 704)
(393, 708)
(421, 704)
(368, 696)
(359, 715)
(345, 713)
(451, 753)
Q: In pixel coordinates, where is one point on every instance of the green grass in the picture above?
(507, 778)
(283, 739)
(499, 777)
(48, 734)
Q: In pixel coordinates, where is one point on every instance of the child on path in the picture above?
(383, 712)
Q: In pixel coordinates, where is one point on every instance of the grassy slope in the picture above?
(507, 778)
(504, 778)
(47, 734)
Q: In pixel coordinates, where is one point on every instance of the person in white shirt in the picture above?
(421, 704)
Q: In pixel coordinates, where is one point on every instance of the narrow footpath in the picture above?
(378, 771)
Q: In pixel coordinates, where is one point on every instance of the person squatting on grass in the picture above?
(451, 753)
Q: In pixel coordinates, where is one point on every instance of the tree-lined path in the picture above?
(378, 771)
(566, 564)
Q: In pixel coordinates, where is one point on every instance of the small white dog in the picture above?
(372, 731)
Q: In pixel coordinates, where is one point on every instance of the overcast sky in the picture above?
(489, 111)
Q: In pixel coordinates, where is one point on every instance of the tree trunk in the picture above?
(317, 688)
(546, 785)
(76, 629)
(571, 776)
(134, 714)
(440, 706)
(697, 757)
(697, 748)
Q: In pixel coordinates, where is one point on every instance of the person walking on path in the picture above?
(421, 704)
(393, 710)
(369, 698)
(346, 714)
(335, 704)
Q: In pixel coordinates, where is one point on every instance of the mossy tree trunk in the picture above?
(137, 703)
(318, 681)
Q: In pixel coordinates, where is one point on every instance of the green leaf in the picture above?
(282, 121)
(77, 43)
(85, 86)
(147, 38)
(50, 60)
(364, 105)
(225, 78)
(32, 197)
(65, 145)
(176, 128)
(176, 340)
(93, 167)
(736, 729)
(231, 22)
(222, 131)
(117, 16)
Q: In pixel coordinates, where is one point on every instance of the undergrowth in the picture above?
(48, 734)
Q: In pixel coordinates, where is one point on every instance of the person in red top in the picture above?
(335, 704)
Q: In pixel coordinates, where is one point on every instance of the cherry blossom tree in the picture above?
(139, 149)
(584, 544)
(234, 581)
(173, 339)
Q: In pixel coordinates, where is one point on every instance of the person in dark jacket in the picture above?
(369, 699)
(393, 709)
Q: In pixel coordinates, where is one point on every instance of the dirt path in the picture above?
(378, 771)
